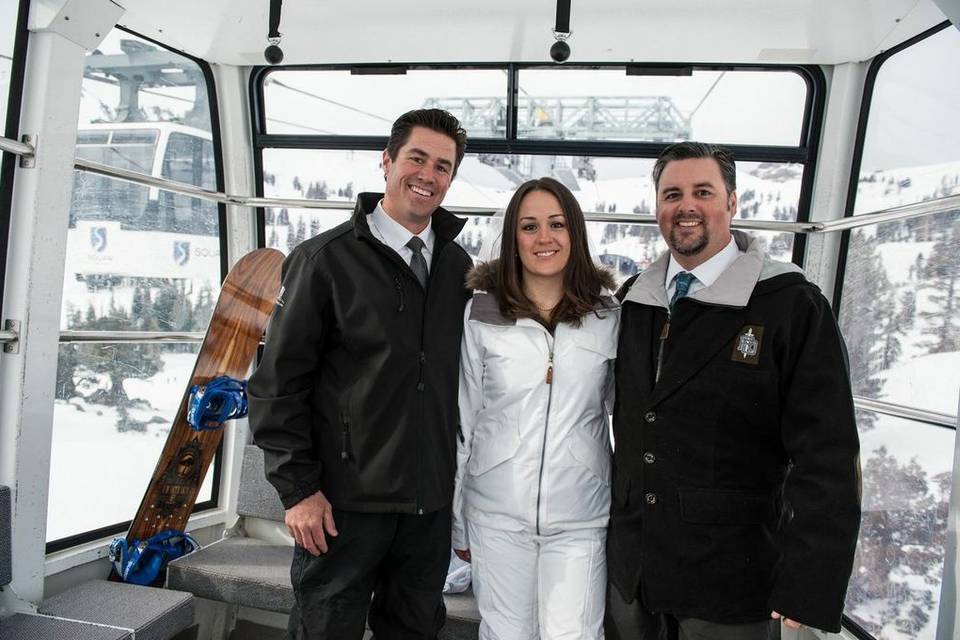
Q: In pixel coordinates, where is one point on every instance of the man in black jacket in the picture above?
(354, 402)
(736, 479)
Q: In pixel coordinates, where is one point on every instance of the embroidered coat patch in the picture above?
(746, 346)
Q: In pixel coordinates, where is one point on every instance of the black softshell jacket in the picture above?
(736, 481)
(356, 392)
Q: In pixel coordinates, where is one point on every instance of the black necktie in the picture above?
(417, 262)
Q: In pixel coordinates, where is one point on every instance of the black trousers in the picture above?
(399, 559)
(631, 621)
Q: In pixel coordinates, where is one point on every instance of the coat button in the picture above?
(650, 498)
(650, 416)
(649, 458)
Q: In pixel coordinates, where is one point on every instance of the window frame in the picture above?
(859, 142)
(217, 465)
(863, 120)
(804, 153)
(11, 130)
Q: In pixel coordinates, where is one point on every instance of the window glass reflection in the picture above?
(137, 259)
(900, 311)
(767, 191)
(727, 107)
(324, 102)
(894, 592)
(911, 151)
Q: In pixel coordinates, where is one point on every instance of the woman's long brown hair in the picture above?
(582, 279)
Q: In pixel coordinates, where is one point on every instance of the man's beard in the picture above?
(698, 244)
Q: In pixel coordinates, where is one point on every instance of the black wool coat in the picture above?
(356, 392)
(736, 474)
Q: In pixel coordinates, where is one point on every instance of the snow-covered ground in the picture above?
(98, 474)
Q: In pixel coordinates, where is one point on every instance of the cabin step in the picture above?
(26, 626)
(151, 614)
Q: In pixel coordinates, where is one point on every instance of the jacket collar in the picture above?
(732, 289)
(485, 307)
(446, 225)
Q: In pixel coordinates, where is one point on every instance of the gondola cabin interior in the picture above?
(149, 146)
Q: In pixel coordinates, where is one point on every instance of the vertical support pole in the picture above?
(238, 175)
(32, 295)
(947, 628)
(844, 95)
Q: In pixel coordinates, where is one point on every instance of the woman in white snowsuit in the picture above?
(533, 460)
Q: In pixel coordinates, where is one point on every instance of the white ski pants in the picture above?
(531, 587)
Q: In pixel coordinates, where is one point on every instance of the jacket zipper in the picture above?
(548, 380)
(345, 447)
(396, 281)
(420, 384)
(664, 334)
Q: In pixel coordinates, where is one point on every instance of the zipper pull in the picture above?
(549, 379)
(550, 367)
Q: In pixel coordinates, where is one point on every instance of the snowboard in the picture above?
(239, 319)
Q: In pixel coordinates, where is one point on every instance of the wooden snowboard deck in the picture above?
(239, 319)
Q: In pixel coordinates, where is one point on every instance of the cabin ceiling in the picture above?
(743, 31)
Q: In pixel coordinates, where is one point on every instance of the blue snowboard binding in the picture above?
(211, 404)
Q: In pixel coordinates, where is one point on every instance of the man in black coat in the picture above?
(354, 402)
(736, 480)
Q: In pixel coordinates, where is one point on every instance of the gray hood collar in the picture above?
(732, 289)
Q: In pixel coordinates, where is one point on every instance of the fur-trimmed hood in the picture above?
(483, 277)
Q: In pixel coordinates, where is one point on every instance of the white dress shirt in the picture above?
(705, 274)
(396, 236)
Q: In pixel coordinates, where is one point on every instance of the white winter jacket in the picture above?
(534, 450)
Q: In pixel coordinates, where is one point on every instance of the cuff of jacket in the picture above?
(458, 538)
(300, 493)
(809, 613)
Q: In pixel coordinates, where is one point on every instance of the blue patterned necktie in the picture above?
(683, 280)
(417, 262)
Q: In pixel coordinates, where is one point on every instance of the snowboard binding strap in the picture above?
(211, 404)
(143, 561)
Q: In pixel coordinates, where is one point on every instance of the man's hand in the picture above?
(790, 624)
(308, 519)
(463, 554)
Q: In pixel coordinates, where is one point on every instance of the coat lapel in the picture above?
(694, 343)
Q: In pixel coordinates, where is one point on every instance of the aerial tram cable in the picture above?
(304, 92)
(273, 53)
(706, 95)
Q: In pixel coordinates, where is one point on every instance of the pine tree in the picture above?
(865, 315)
(942, 272)
(301, 231)
(203, 310)
(899, 553)
(67, 363)
(291, 238)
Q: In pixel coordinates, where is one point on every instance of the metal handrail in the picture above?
(934, 418)
(16, 147)
(130, 336)
(917, 209)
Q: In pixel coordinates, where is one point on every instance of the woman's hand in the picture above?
(463, 554)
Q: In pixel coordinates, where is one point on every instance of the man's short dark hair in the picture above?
(692, 151)
(434, 119)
